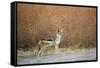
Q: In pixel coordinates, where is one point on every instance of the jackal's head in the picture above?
(60, 30)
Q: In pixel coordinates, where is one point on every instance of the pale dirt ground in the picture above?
(68, 56)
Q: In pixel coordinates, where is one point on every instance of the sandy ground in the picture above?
(82, 55)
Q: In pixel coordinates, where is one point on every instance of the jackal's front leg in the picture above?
(56, 49)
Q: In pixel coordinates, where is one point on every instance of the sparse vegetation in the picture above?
(39, 21)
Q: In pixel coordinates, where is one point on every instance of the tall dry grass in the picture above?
(35, 22)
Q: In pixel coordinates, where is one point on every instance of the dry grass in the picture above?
(38, 22)
(50, 50)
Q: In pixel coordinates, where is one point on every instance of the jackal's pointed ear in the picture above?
(60, 30)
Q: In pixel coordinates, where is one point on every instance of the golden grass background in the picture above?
(35, 22)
